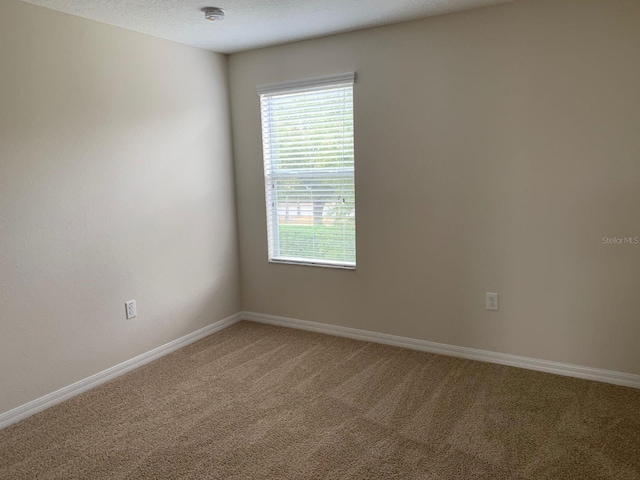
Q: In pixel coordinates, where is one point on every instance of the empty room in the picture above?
(321, 239)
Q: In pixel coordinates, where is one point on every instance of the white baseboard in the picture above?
(51, 399)
(599, 375)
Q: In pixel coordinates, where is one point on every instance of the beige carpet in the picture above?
(261, 402)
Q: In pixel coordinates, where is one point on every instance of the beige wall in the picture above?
(494, 150)
(115, 184)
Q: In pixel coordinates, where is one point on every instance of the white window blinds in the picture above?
(307, 133)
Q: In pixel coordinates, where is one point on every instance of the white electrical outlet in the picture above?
(492, 301)
(131, 310)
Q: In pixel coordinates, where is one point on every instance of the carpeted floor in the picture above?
(262, 402)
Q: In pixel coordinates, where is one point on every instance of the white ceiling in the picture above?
(254, 23)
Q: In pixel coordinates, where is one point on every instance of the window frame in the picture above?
(315, 84)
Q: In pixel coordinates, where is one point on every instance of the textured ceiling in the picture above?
(254, 23)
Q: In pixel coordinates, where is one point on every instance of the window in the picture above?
(307, 136)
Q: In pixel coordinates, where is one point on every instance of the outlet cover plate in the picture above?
(130, 309)
(492, 301)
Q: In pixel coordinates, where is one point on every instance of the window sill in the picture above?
(307, 263)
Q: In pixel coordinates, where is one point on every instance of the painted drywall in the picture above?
(254, 23)
(115, 184)
(495, 148)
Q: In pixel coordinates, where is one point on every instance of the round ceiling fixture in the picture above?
(213, 13)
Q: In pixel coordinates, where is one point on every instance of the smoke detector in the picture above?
(213, 13)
